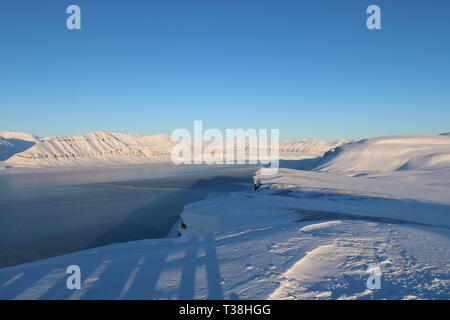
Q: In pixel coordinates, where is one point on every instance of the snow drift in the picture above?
(385, 154)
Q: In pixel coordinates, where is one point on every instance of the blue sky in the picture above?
(309, 68)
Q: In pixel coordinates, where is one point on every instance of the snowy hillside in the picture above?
(11, 135)
(405, 152)
(110, 148)
(15, 142)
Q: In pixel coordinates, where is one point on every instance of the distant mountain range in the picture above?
(103, 148)
(100, 148)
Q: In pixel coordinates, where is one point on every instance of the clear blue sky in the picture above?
(310, 68)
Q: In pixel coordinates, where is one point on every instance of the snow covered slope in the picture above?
(271, 244)
(405, 152)
(15, 142)
(12, 135)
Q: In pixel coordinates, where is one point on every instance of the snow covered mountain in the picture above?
(110, 148)
(310, 146)
(384, 154)
(99, 147)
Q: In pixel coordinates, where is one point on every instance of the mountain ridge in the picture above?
(18, 149)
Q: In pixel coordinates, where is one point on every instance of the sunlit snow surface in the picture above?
(301, 235)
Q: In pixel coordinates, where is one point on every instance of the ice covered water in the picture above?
(44, 214)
